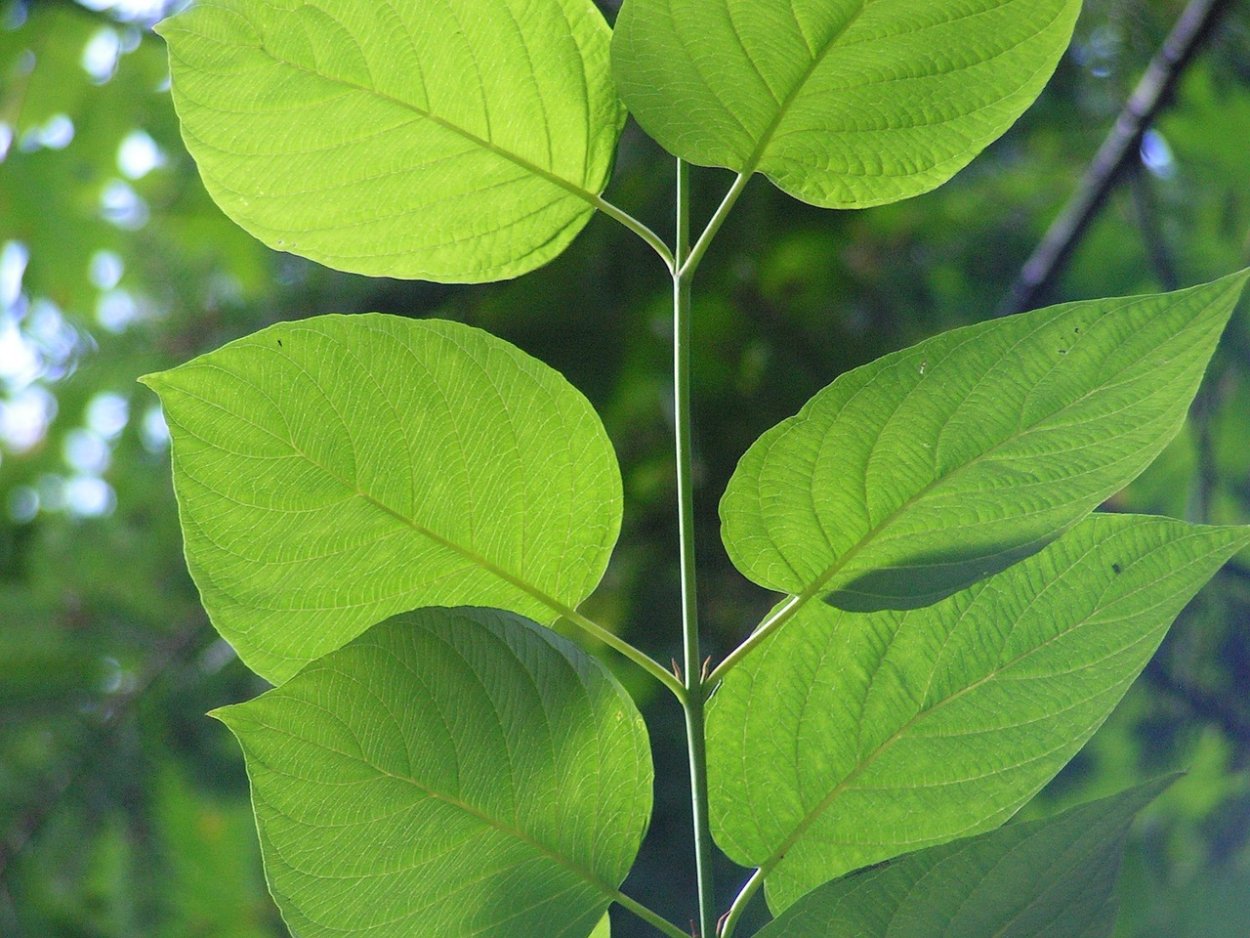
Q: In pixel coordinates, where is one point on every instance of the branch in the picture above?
(1118, 150)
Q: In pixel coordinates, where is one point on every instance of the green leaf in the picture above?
(452, 772)
(336, 471)
(1053, 878)
(453, 142)
(850, 738)
(841, 103)
(920, 473)
(603, 929)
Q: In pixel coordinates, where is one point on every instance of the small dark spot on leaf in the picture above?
(1063, 351)
(1077, 330)
(1117, 568)
(279, 343)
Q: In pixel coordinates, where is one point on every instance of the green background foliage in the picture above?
(122, 810)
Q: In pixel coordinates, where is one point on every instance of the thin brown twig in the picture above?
(1117, 152)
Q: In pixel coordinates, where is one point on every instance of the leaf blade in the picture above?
(1049, 878)
(914, 476)
(334, 472)
(520, 783)
(844, 104)
(463, 147)
(847, 739)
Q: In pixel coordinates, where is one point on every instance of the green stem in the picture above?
(779, 617)
(633, 224)
(636, 655)
(658, 922)
(688, 263)
(693, 705)
(740, 903)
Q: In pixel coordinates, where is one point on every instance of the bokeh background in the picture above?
(123, 810)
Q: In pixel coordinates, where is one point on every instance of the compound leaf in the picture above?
(848, 738)
(451, 772)
(1053, 878)
(841, 103)
(336, 471)
(930, 468)
(463, 141)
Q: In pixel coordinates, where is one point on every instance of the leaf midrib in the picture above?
(874, 535)
(766, 138)
(531, 590)
(593, 199)
(609, 892)
(778, 854)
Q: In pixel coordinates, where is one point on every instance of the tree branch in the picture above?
(1118, 150)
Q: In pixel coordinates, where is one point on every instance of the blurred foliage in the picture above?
(123, 810)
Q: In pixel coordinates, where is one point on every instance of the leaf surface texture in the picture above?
(1052, 878)
(450, 141)
(453, 772)
(849, 738)
(841, 103)
(333, 472)
(928, 469)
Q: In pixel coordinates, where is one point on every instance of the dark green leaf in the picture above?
(1053, 878)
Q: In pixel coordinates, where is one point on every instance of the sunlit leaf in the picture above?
(850, 738)
(841, 103)
(451, 772)
(336, 471)
(1053, 878)
(930, 468)
(461, 142)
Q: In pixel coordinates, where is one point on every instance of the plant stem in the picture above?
(687, 263)
(651, 918)
(740, 903)
(771, 623)
(636, 655)
(633, 224)
(693, 705)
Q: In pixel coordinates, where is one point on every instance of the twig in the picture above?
(1117, 151)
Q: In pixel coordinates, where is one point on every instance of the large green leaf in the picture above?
(335, 471)
(841, 103)
(1053, 878)
(463, 141)
(930, 468)
(850, 738)
(452, 772)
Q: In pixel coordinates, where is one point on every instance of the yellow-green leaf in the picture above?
(454, 142)
(333, 472)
